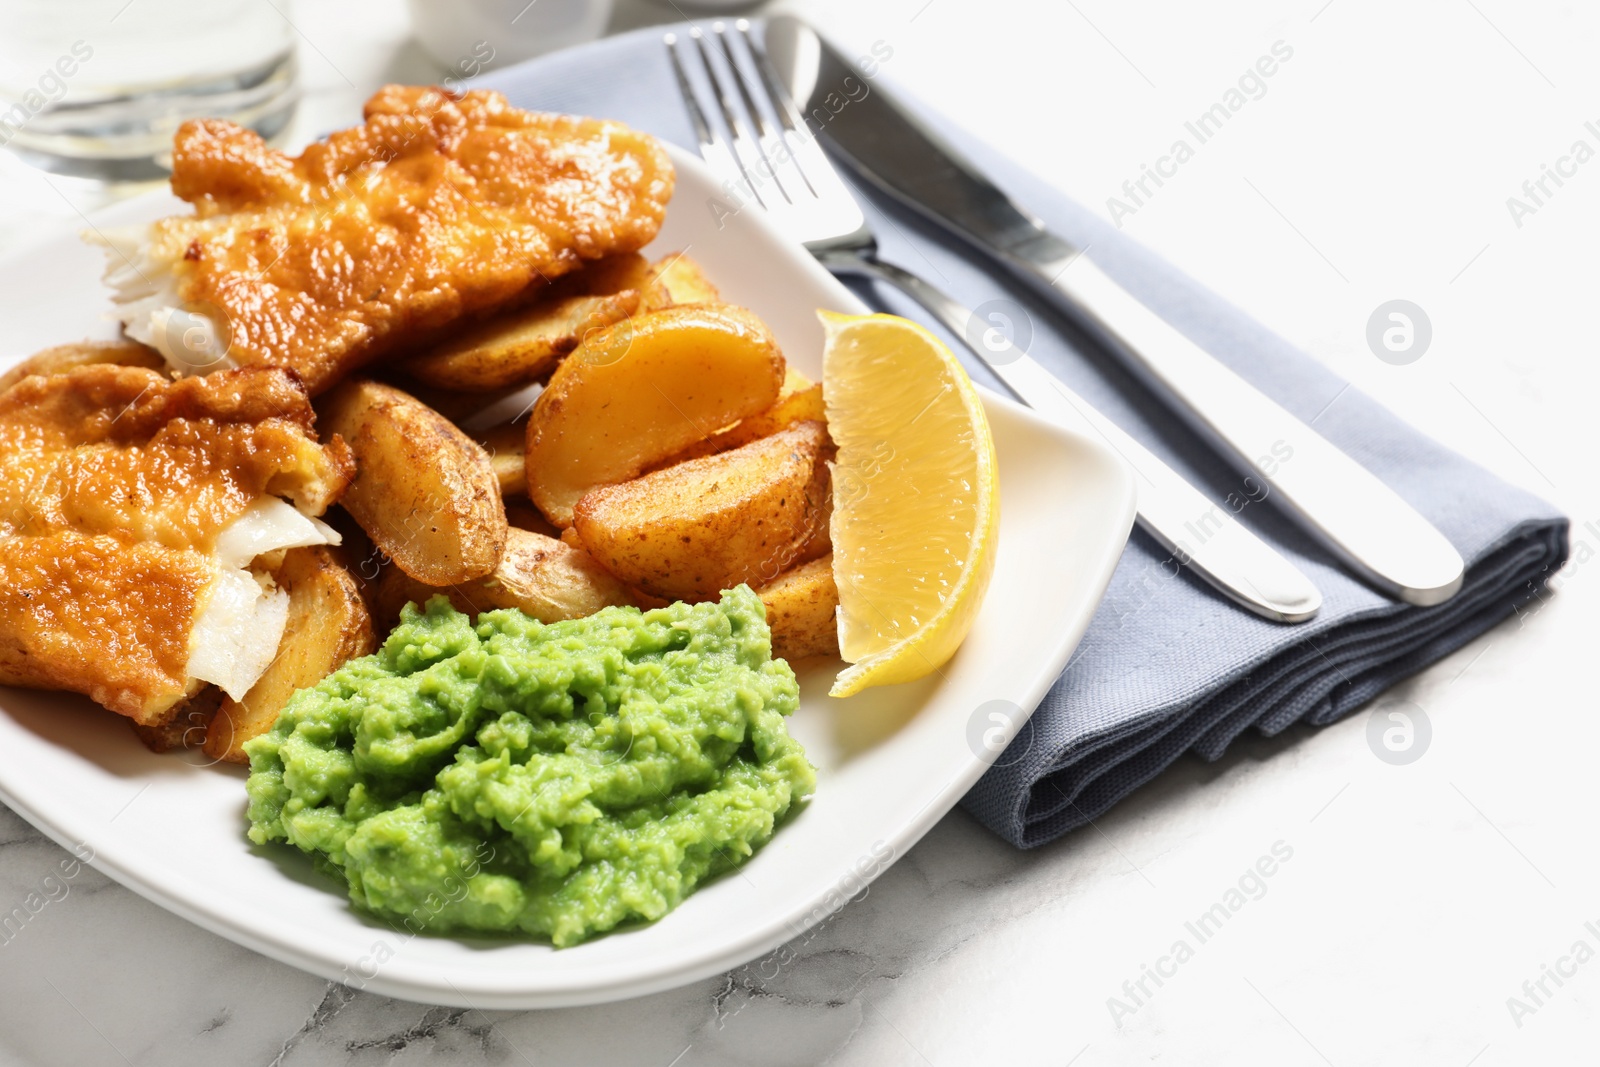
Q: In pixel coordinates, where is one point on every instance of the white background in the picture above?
(1418, 899)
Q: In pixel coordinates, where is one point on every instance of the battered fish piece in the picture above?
(438, 207)
(62, 358)
(132, 509)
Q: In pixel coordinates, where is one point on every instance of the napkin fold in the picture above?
(1167, 666)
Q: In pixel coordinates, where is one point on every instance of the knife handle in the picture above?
(1195, 529)
(1364, 522)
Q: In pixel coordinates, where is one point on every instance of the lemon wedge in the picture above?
(916, 505)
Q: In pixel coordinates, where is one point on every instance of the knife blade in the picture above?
(1349, 510)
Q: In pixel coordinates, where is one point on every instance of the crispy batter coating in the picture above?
(114, 483)
(61, 358)
(438, 206)
(100, 616)
(126, 451)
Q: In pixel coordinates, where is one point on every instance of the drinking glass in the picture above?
(97, 88)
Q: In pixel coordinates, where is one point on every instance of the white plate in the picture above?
(892, 761)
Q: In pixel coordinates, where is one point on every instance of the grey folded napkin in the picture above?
(1167, 666)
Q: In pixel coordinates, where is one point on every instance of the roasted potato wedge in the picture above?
(683, 282)
(794, 381)
(800, 406)
(616, 274)
(355, 552)
(638, 392)
(645, 601)
(188, 725)
(506, 445)
(639, 597)
(457, 405)
(524, 516)
(520, 346)
(687, 532)
(540, 575)
(802, 606)
(796, 407)
(799, 399)
(821, 542)
(328, 626)
(524, 344)
(62, 358)
(425, 492)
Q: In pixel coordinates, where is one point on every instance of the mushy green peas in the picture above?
(554, 780)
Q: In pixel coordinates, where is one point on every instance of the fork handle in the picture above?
(1365, 523)
(1196, 530)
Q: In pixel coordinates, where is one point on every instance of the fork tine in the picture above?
(770, 140)
(702, 129)
(744, 144)
(825, 215)
(714, 148)
(802, 142)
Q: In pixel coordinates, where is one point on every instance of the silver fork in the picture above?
(770, 158)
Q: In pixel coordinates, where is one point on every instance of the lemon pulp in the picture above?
(915, 498)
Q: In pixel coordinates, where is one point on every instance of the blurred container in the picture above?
(709, 7)
(96, 88)
(467, 35)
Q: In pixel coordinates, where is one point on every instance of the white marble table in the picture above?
(1418, 899)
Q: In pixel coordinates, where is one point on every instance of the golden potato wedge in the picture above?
(355, 552)
(683, 282)
(454, 404)
(638, 392)
(425, 492)
(802, 606)
(794, 381)
(799, 399)
(505, 445)
(645, 601)
(540, 575)
(520, 346)
(616, 274)
(187, 727)
(638, 597)
(821, 542)
(688, 532)
(328, 626)
(524, 516)
(523, 344)
(796, 407)
(62, 358)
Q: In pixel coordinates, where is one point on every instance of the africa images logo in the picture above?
(1251, 85)
(1537, 192)
(1399, 332)
(1251, 885)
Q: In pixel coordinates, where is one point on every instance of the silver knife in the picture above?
(1345, 506)
(1198, 532)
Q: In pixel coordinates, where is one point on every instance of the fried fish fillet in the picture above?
(132, 509)
(438, 207)
(62, 358)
